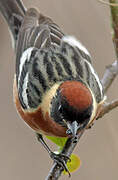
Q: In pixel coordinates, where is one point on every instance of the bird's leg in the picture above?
(61, 159)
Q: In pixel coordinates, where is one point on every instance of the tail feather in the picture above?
(13, 11)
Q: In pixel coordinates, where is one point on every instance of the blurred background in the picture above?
(21, 156)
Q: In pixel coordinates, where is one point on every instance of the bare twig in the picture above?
(112, 70)
(107, 108)
(109, 75)
(56, 170)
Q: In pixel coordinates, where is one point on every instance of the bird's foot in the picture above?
(61, 160)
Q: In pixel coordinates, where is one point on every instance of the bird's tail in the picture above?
(13, 12)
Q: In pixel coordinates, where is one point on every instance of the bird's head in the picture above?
(72, 106)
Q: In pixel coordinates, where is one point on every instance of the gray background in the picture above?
(21, 156)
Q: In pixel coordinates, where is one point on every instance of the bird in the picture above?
(56, 90)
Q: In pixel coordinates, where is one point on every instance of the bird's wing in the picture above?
(80, 61)
(37, 31)
(41, 32)
(46, 56)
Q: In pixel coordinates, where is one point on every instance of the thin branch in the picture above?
(56, 170)
(112, 70)
(107, 108)
(109, 75)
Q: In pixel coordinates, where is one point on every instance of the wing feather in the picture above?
(36, 31)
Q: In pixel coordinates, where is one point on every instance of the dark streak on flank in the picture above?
(87, 73)
(36, 89)
(65, 64)
(77, 61)
(31, 102)
(58, 67)
(49, 67)
(38, 74)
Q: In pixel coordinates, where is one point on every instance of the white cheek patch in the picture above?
(74, 42)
